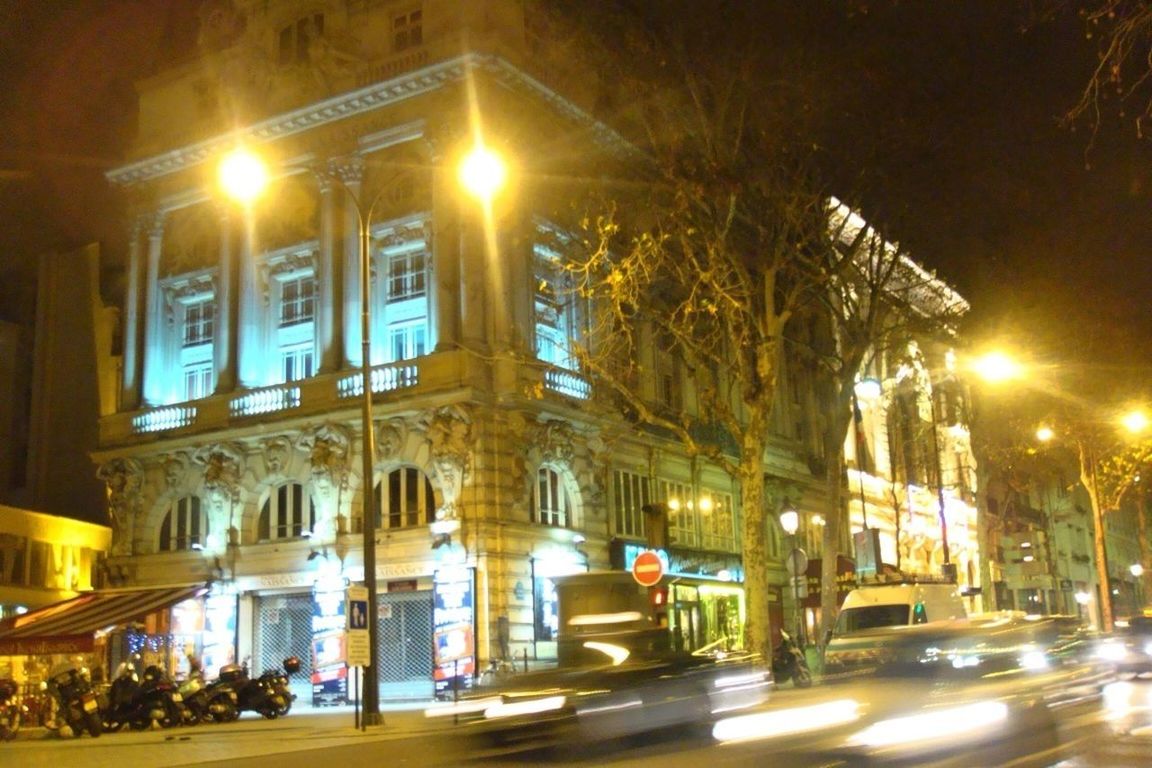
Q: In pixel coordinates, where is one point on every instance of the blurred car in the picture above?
(616, 690)
(1129, 648)
(946, 693)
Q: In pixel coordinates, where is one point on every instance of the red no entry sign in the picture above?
(647, 568)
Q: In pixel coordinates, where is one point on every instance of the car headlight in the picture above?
(952, 722)
(1148, 648)
(1112, 651)
(528, 707)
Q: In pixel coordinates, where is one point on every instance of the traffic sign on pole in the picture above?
(359, 644)
(647, 568)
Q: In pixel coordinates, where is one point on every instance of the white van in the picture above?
(871, 613)
(892, 605)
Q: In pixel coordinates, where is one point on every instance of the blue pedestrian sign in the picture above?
(357, 614)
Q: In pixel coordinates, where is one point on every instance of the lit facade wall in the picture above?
(235, 453)
(45, 558)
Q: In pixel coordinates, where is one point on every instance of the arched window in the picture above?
(404, 499)
(288, 513)
(550, 503)
(185, 526)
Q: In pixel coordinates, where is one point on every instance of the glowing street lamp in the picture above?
(797, 565)
(482, 173)
(997, 367)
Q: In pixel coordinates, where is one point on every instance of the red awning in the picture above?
(70, 626)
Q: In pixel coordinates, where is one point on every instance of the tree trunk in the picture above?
(834, 522)
(758, 634)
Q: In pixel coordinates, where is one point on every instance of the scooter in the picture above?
(76, 706)
(149, 701)
(789, 663)
(11, 710)
(208, 702)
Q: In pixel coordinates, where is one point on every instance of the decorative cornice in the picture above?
(361, 101)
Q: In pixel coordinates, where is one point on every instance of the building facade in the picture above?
(233, 453)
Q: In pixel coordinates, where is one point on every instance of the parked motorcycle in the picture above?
(208, 702)
(790, 663)
(148, 701)
(267, 694)
(75, 704)
(11, 710)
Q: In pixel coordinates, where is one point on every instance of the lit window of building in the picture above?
(551, 503)
(184, 527)
(287, 513)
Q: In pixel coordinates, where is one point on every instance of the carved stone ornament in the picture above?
(449, 432)
(223, 466)
(122, 478)
(175, 467)
(390, 439)
(328, 448)
(277, 452)
(555, 439)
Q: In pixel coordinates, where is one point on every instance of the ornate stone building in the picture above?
(234, 455)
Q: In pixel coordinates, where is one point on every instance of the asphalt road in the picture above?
(1114, 730)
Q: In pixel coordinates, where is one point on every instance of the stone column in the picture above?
(445, 255)
(350, 173)
(223, 342)
(154, 336)
(130, 382)
(329, 320)
(251, 343)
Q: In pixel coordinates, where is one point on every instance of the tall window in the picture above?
(287, 513)
(682, 523)
(297, 300)
(717, 523)
(630, 493)
(185, 526)
(551, 504)
(407, 500)
(408, 30)
(555, 313)
(406, 301)
(199, 319)
(297, 326)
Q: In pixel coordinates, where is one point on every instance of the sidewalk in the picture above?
(303, 729)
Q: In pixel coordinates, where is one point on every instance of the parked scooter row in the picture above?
(12, 711)
(153, 700)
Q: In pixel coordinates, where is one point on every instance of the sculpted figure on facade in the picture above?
(122, 479)
(449, 433)
(328, 449)
(175, 466)
(555, 440)
(277, 452)
(223, 466)
(517, 430)
(390, 439)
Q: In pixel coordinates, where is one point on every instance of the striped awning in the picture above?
(70, 626)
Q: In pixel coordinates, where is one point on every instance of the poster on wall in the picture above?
(219, 637)
(453, 628)
(329, 648)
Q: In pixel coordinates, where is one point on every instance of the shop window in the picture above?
(546, 609)
(185, 526)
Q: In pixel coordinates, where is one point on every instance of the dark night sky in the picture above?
(1048, 241)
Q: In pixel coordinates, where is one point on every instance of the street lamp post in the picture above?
(797, 567)
(243, 176)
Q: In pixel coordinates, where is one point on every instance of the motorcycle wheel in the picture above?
(173, 714)
(284, 710)
(222, 710)
(94, 726)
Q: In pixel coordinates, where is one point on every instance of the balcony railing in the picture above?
(385, 378)
(164, 419)
(567, 383)
(267, 400)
